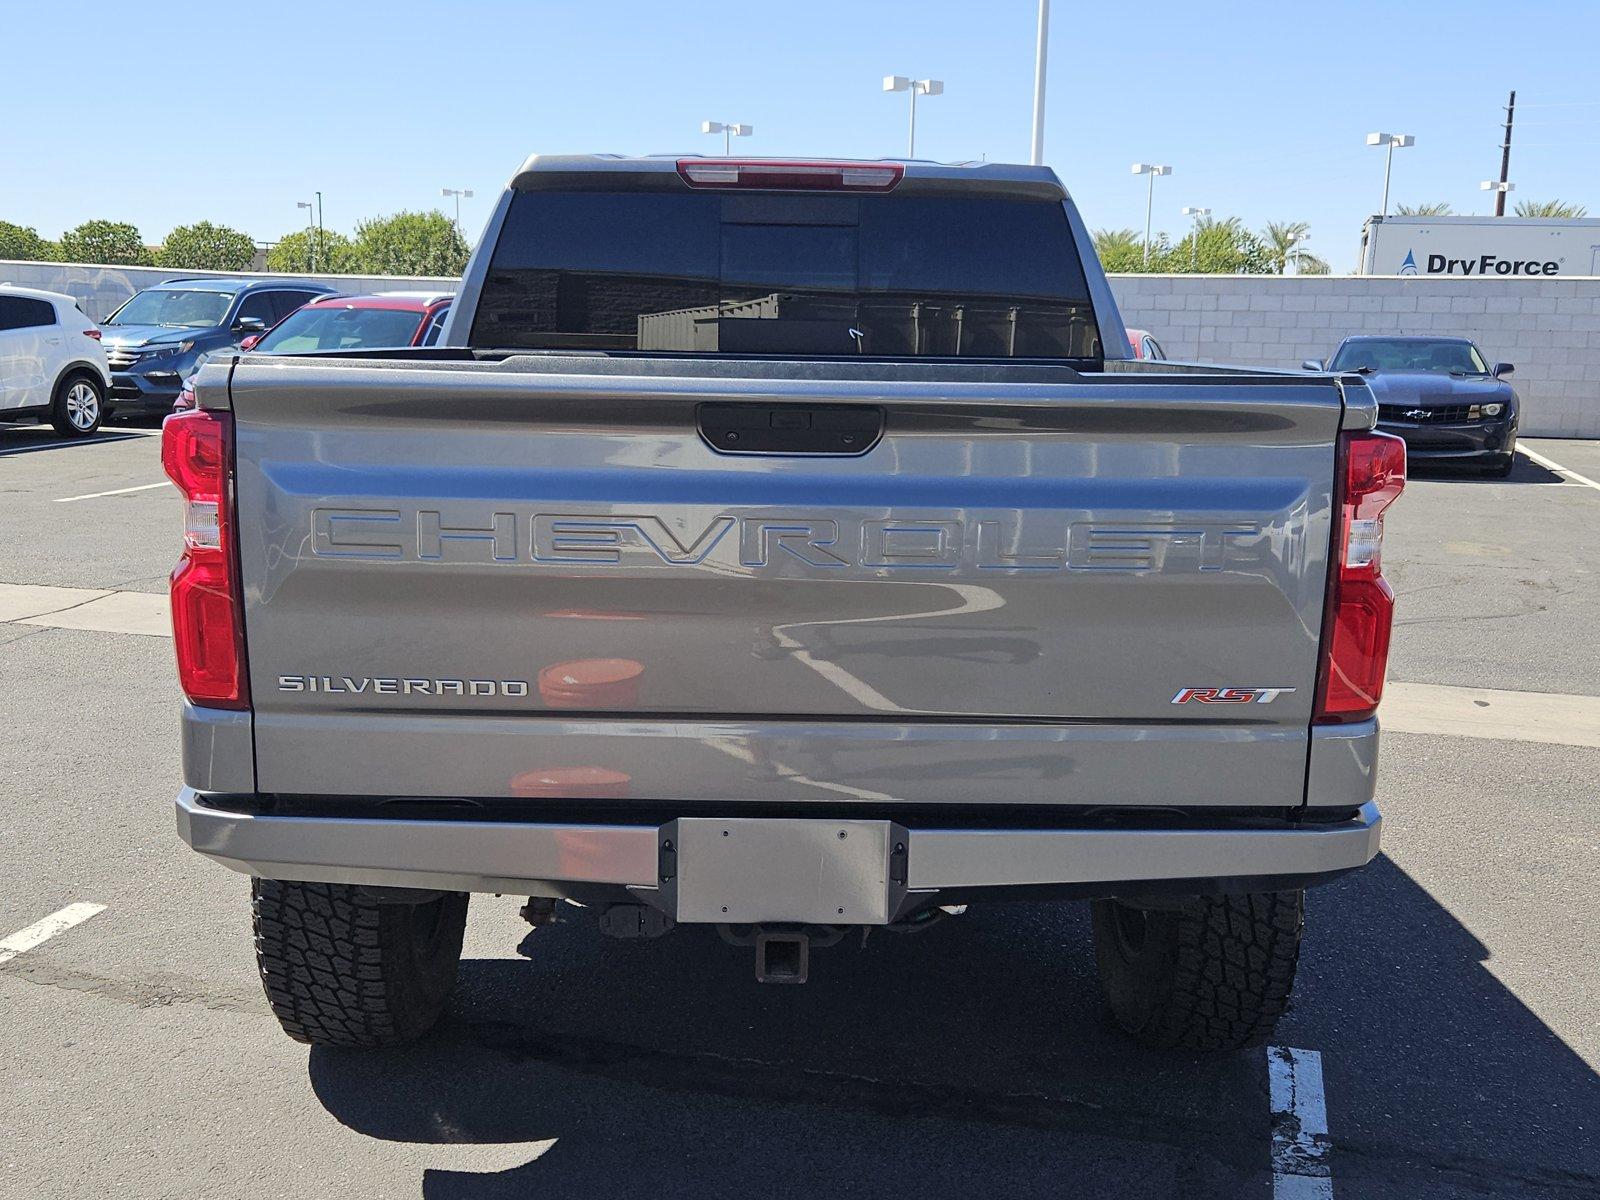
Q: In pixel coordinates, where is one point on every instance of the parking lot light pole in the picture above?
(1500, 187)
(1041, 52)
(917, 87)
(1152, 170)
(1390, 140)
(460, 194)
(728, 131)
(1294, 248)
(1199, 214)
(311, 229)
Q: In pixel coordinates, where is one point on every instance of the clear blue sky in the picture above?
(170, 113)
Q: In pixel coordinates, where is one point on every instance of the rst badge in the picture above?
(1215, 695)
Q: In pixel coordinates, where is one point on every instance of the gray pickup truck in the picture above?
(788, 547)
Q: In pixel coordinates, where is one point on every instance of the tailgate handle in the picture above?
(839, 429)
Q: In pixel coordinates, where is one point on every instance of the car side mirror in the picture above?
(249, 343)
(1503, 369)
(1311, 364)
(250, 325)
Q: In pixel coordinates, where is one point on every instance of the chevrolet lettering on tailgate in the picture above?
(580, 539)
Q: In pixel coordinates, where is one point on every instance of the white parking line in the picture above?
(1300, 1143)
(1551, 465)
(42, 931)
(143, 487)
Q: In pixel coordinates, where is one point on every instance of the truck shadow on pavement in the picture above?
(972, 1059)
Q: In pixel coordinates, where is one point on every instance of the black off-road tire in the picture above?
(342, 969)
(1215, 974)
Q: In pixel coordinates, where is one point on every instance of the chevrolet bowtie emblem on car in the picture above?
(1415, 414)
(1213, 695)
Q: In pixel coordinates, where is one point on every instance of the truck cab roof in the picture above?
(555, 171)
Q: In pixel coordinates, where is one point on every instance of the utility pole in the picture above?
(1038, 83)
(1505, 158)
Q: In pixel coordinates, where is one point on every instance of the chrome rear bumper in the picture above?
(514, 856)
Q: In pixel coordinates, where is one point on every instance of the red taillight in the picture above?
(1360, 606)
(207, 613)
(94, 333)
(790, 176)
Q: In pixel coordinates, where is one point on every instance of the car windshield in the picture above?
(897, 276)
(1409, 354)
(174, 306)
(336, 327)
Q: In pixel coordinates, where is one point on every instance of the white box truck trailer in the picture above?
(1473, 246)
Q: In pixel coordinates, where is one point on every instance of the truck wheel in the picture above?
(1214, 974)
(342, 969)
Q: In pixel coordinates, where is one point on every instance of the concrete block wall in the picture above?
(98, 290)
(1548, 328)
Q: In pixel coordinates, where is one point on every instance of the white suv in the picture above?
(52, 366)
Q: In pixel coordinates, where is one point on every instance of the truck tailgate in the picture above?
(484, 580)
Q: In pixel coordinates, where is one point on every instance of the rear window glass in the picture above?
(898, 275)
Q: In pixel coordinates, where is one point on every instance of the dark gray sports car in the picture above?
(1438, 394)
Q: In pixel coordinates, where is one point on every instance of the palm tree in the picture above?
(1441, 209)
(1112, 241)
(1280, 238)
(1549, 208)
(1120, 250)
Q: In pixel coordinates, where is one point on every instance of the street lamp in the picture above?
(1152, 170)
(917, 87)
(727, 131)
(1040, 52)
(460, 194)
(1494, 185)
(1391, 140)
(1199, 214)
(311, 230)
(1294, 248)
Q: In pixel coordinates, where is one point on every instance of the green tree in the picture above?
(306, 250)
(105, 242)
(1549, 208)
(1217, 246)
(1279, 238)
(22, 243)
(207, 247)
(1121, 251)
(409, 243)
(1440, 209)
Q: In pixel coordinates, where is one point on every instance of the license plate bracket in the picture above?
(761, 870)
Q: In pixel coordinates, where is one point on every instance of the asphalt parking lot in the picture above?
(1450, 990)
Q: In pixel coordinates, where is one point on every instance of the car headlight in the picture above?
(167, 351)
(1493, 410)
